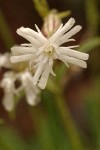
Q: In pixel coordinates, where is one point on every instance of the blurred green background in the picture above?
(67, 122)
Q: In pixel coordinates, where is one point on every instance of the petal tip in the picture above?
(72, 20)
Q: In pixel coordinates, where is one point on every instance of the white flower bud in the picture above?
(51, 24)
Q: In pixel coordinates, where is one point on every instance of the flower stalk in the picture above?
(70, 127)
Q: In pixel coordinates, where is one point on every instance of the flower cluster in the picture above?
(41, 52)
(8, 84)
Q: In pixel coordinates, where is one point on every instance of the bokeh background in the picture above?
(43, 127)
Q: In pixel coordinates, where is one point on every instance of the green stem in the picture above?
(70, 127)
(69, 123)
(5, 32)
(92, 14)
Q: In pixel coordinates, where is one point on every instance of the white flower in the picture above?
(7, 84)
(5, 60)
(30, 90)
(43, 51)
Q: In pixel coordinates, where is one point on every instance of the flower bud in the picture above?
(51, 23)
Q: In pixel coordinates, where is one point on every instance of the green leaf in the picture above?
(10, 141)
(64, 14)
(90, 44)
(54, 123)
(92, 110)
(92, 16)
(41, 7)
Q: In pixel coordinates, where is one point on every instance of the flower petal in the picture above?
(7, 84)
(64, 29)
(8, 101)
(34, 34)
(55, 34)
(73, 53)
(38, 73)
(69, 34)
(72, 60)
(27, 44)
(44, 78)
(40, 33)
(5, 60)
(20, 58)
(52, 72)
(28, 37)
(29, 88)
(22, 50)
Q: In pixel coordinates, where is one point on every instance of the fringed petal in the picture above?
(34, 34)
(44, 78)
(69, 34)
(73, 53)
(28, 37)
(38, 73)
(63, 30)
(21, 58)
(72, 60)
(22, 50)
